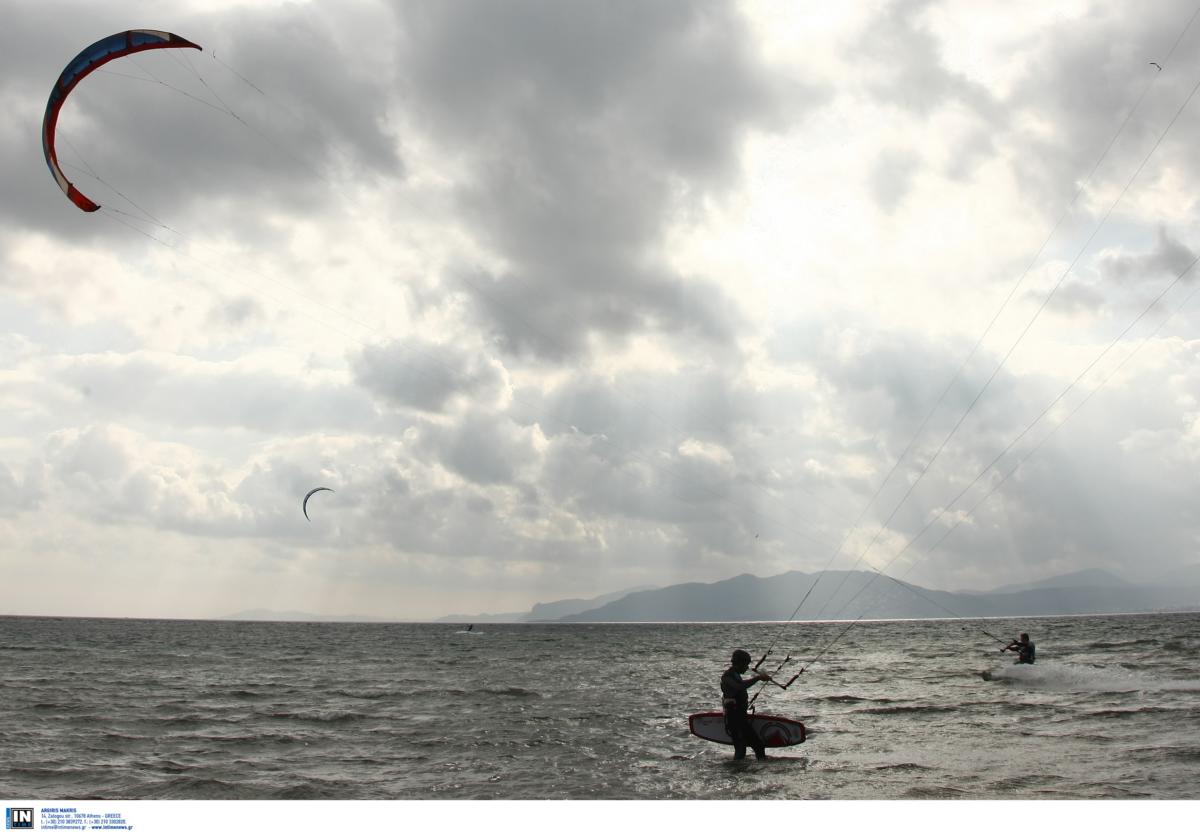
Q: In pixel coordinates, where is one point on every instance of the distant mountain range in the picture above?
(841, 595)
(851, 595)
(550, 611)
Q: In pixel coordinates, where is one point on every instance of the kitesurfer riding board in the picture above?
(1024, 648)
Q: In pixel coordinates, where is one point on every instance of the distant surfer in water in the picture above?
(734, 701)
(1024, 649)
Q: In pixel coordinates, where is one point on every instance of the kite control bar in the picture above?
(783, 686)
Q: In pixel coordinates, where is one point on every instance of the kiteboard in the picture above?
(775, 731)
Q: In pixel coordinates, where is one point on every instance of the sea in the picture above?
(124, 709)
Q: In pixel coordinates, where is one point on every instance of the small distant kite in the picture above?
(304, 507)
(86, 62)
(1152, 63)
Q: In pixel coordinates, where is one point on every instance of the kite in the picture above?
(86, 62)
(304, 507)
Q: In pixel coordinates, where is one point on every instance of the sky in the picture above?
(561, 299)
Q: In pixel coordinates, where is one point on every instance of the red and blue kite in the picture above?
(86, 62)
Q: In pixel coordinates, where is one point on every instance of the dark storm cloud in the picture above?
(1169, 258)
(585, 127)
(482, 448)
(1085, 76)
(1123, 282)
(912, 74)
(667, 487)
(178, 157)
(426, 376)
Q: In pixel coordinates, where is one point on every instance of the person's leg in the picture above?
(752, 737)
(736, 727)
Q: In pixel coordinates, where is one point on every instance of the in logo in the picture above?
(18, 818)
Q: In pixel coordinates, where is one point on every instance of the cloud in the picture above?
(190, 394)
(1169, 258)
(1085, 75)
(892, 176)
(481, 448)
(427, 376)
(21, 490)
(564, 298)
(911, 72)
(582, 131)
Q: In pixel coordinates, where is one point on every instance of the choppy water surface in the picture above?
(896, 710)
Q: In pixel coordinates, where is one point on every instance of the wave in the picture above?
(1183, 755)
(116, 735)
(190, 787)
(512, 691)
(374, 694)
(314, 790)
(327, 718)
(1161, 754)
(1124, 713)
(508, 691)
(1115, 678)
(244, 739)
(172, 767)
(193, 719)
(938, 792)
(910, 709)
(1109, 645)
(1065, 676)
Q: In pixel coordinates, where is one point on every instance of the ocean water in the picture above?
(137, 709)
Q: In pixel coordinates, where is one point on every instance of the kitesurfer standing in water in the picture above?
(734, 701)
(1024, 649)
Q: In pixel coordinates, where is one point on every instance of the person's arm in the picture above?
(736, 684)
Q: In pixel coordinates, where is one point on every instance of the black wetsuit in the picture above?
(735, 701)
(1026, 653)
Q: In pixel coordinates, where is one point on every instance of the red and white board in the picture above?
(775, 731)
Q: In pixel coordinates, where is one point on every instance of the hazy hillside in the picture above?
(544, 611)
(837, 595)
(1084, 578)
(851, 595)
